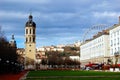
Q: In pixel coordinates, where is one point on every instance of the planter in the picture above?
(111, 69)
(117, 69)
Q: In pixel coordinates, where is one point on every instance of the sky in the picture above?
(57, 21)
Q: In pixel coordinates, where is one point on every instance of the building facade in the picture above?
(75, 58)
(21, 53)
(96, 50)
(30, 43)
(115, 44)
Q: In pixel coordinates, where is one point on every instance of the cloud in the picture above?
(58, 21)
(27, 1)
(12, 14)
(59, 18)
(10, 29)
(106, 14)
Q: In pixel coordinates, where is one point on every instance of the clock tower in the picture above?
(30, 43)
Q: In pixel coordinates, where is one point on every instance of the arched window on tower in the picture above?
(26, 31)
(33, 39)
(30, 39)
(30, 31)
(33, 31)
(26, 40)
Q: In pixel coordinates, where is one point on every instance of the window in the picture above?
(118, 48)
(29, 50)
(26, 40)
(114, 41)
(118, 41)
(111, 51)
(33, 31)
(111, 35)
(30, 45)
(26, 31)
(30, 39)
(30, 31)
(117, 32)
(111, 42)
(33, 39)
(114, 34)
(115, 50)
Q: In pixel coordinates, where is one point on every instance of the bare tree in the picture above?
(8, 55)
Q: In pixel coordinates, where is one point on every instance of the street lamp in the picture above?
(0, 59)
(7, 61)
(116, 54)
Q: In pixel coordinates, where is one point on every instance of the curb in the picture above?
(24, 76)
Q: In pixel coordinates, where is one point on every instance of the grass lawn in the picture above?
(72, 75)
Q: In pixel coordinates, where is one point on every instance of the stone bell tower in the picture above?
(30, 43)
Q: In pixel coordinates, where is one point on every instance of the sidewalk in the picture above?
(12, 76)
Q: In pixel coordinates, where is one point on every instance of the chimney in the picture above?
(119, 20)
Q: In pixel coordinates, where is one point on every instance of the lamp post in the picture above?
(116, 54)
(7, 61)
(0, 65)
(0, 59)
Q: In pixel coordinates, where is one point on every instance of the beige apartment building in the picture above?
(96, 50)
(115, 44)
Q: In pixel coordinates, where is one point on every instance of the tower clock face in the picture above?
(30, 45)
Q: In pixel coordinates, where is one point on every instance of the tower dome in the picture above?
(30, 22)
(13, 42)
(30, 17)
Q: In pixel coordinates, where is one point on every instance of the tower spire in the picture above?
(30, 22)
(30, 12)
(30, 16)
